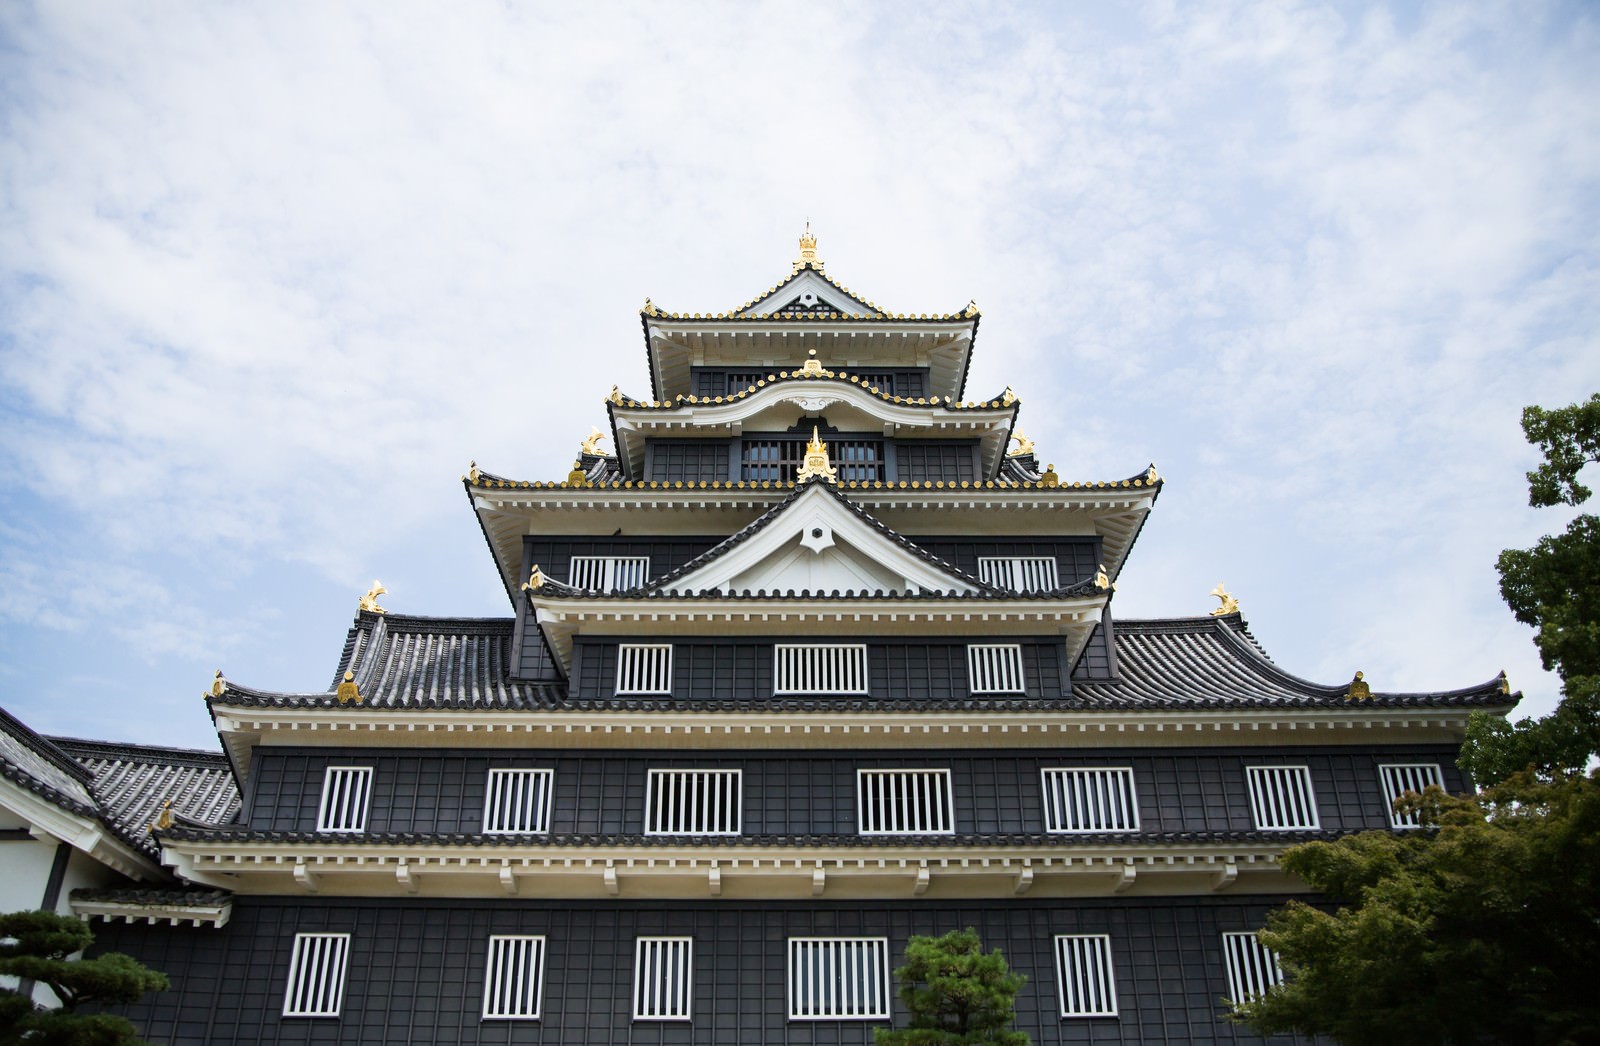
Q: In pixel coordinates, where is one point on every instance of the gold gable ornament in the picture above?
(535, 580)
(163, 819)
(1505, 683)
(816, 462)
(369, 602)
(812, 368)
(1024, 445)
(1359, 690)
(591, 442)
(808, 251)
(1008, 397)
(1048, 477)
(1229, 605)
(473, 475)
(219, 686)
(1102, 580)
(347, 691)
(1151, 476)
(577, 477)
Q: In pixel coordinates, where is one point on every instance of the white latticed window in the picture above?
(1083, 976)
(609, 573)
(1097, 799)
(905, 802)
(1019, 573)
(995, 668)
(644, 668)
(692, 802)
(1399, 778)
(316, 975)
(346, 791)
(820, 668)
(517, 801)
(661, 978)
(513, 984)
(1281, 798)
(838, 978)
(1252, 967)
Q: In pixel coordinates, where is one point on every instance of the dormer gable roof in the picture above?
(808, 290)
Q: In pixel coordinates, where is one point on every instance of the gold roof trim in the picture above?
(816, 462)
(369, 603)
(1047, 481)
(347, 691)
(1229, 605)
(1359, 690)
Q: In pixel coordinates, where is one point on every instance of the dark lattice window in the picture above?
(951, 462)
(738, 381)
(780, 458)
(687, 460)
(884, 382)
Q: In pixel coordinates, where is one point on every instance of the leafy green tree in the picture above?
(1484, 926)
(34, 946)
(957, 995)
(1485, 932)
(1555, 587)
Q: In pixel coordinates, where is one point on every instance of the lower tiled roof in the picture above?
(134, 782)
(165, 898)
(40, 766)
(1198, 663)
(1214, 662)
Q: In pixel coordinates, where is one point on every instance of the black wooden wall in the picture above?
(790, 792)
(897, 669)
(416, 969)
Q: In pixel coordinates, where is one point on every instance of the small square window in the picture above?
(1252, 967)
(513, 987)
(346, 793)
(820, 668)
(838, 978)
(693, 802)
(1281, 799)
(1084, 982)
(1399, 778)
(1090, 799)
(517, 802)
(995, 668)
(316, 975)
(905, 802)
(644, 668)
(662, 978)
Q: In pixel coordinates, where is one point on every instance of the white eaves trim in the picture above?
(215, 915)
(45, 818)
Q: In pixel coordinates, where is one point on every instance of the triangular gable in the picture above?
(809, 291)
(818, 542)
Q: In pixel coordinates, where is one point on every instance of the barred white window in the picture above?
(905, 802)
(513, 984)
(644, 668)
(838, 978)
(1399, 778)
(346, 793)
(1084, 982)
(316, 975)
(1281, 798)
(517, 801)
(662, 978)
(1090, 799)
(1252, 967)
(1019, 573)
(608, 573)
(820, 668)
(693, 802)
(995, 668)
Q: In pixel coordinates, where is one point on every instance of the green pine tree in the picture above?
(34, 946)
(957, 995)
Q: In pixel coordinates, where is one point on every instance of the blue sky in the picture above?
(270, 275)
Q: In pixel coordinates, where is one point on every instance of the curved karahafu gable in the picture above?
(782, 398)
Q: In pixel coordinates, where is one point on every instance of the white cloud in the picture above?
(274, 274)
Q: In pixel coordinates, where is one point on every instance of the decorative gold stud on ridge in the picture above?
(816, 462)
(812, 368)
(369, 602)
(1229, 604)
(1359, 690)
(163, 819)
(347, 691)
(535, 580)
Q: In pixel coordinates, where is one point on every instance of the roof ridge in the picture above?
(80, 747)
(43, 747)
